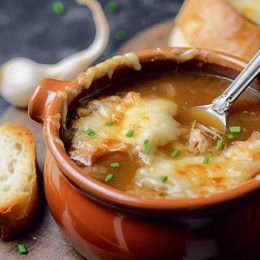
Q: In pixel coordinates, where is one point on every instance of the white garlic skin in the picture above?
(18, 79)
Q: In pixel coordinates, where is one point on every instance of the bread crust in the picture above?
(218, 25)
(17, 212)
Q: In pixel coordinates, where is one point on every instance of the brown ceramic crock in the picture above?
(104, 223)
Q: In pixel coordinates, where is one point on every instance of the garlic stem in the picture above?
(73, 64)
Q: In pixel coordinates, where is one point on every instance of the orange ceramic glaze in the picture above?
(104, 223)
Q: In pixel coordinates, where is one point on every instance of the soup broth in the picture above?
(135, 139)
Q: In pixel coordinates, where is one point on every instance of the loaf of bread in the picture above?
(18, 179)
(230, 26)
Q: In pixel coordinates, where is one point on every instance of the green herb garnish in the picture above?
(220, 143)
(112, 7)
(147, 147)
(109, 123)
(115, 165)
(175, 153)
(22, 249)
(235, 129)
(164, 178)
(90, 132)
(121, 36)
(58, 8)
(130, 133)
(230, 136)
(75, 51)
(206, 159)
(109, 177)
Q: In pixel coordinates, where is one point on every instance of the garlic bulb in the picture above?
(19, 76)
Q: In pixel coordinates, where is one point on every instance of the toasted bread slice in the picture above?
(18, 179)
(229, 26)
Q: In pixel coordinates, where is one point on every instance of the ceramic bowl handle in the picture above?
(43, 96)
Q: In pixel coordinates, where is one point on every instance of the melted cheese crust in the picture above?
(153, 119)
(189, 177)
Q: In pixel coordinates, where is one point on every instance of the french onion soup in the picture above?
(137, 139)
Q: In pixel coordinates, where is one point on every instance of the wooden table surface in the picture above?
(43, 239)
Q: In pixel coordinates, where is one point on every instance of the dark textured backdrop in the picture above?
(29, 28)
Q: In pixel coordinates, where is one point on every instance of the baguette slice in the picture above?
(18, 179)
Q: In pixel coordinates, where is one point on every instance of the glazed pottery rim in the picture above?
(109, 195)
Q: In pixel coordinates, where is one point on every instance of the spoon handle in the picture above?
(222, 103)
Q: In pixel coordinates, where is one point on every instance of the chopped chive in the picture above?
(109, 177)
(109, 123)
(121, 36)
(235, 129)
(164, 178)
(115, 165)
(206, 159)
(220, 143)
(75, 51)
(147, 147)
(22, 249)
(90, 132)
(112, 7)
(175, 153)
(58, 8)
(230, 136)
(130, 133)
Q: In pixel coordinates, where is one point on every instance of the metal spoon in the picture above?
(218, 110)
